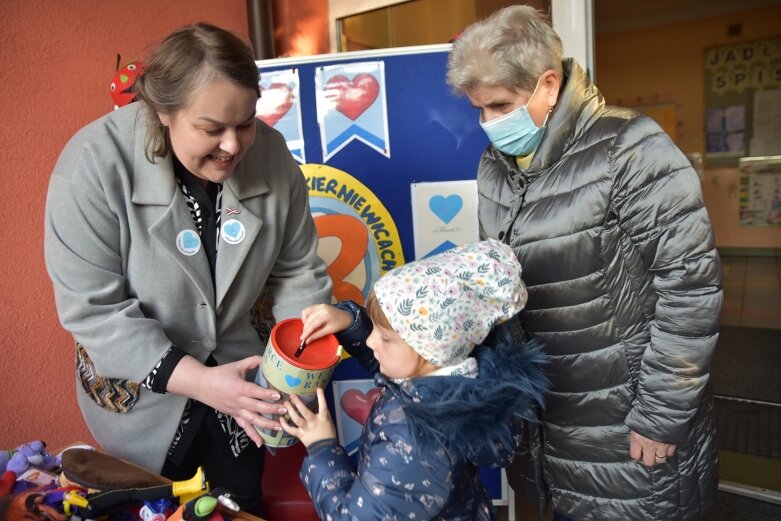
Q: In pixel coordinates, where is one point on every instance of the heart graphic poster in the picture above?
(358, 237)
(353, 399)
(351, 105)
(279, 106)
(444, 215)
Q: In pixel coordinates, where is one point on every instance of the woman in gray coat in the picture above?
(164, 221)
(606, 216)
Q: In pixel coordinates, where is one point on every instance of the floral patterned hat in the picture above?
(444, 305)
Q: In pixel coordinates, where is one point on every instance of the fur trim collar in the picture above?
(478, 418)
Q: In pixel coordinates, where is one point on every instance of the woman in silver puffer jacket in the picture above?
(606, 216)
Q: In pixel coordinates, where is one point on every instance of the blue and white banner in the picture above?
(351, 104)
(279, 106)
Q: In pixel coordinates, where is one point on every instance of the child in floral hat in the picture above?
(447, 404)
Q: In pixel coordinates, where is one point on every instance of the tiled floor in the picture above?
(752, 299)
(752, 289)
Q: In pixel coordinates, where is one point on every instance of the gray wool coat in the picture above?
(625, 295)
(127, 292)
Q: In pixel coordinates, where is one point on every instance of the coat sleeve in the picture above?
(84, 260)
(396, 481)
(353, 339)
(658, 203)
(299, 276)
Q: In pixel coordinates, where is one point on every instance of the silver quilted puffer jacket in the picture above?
(625, 294)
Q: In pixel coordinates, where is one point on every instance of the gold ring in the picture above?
(660, 457)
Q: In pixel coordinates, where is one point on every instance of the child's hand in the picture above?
(311, 427)
(323, 319)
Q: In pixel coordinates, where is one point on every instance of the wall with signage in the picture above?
(742, 101)
(668, 63)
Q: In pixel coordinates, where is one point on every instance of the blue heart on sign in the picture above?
(292, 381)
(232, 229)
(446, 208)
(190, 240)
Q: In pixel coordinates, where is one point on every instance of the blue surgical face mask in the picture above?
(515, 133)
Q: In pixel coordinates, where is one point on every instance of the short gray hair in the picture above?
(511, 49)
(188, 59)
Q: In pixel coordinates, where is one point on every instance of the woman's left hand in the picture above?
(310, 427)
(225, 389)
(648, 451)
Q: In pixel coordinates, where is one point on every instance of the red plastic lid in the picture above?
(318, 354)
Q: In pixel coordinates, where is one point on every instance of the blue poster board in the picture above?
(432, 135)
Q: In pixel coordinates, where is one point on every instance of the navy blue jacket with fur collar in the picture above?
(425, 439)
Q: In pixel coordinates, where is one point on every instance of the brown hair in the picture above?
(375, 312)
(187, 60)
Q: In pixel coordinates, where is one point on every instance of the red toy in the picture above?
(124, 81)
(7, 482)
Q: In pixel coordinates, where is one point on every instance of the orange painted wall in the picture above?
(56, 61)
(667, 62)
(300, 27)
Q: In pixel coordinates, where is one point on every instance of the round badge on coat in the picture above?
(233, 232)
(188, 242)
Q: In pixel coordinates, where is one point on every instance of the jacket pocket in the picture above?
(113, 394)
